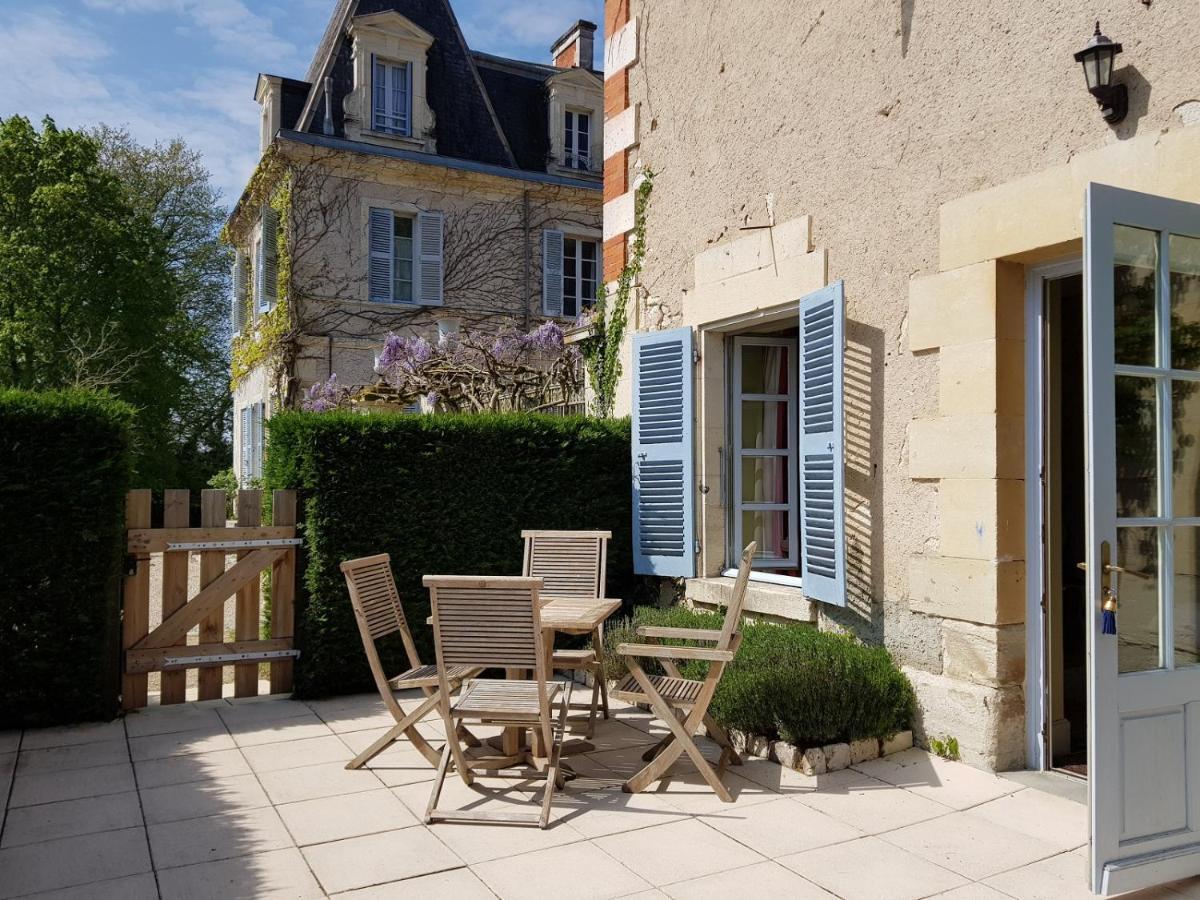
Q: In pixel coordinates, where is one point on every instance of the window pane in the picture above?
(1184, 257)
(770, 529)
(764, 425)
(1135, 293)
(403, 226)
(380, 93)
(1137, 596)
(765, 370)
(1185, 423)
(1187, 596)
(764, 479)
(1137, 446)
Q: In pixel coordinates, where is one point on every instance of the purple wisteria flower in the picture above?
(324, 396)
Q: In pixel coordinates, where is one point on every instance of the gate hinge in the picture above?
(695, 355)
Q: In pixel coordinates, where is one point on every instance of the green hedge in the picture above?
(443, 494)
(791, 681)
(64, 471)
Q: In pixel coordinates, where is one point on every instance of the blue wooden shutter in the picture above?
(429, 245)
(380, 237)
(239, 292)
(247, 445)
(552, 272)
(822, 507)
(664, 531)
(270, 264)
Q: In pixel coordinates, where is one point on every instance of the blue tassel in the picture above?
(1109, 625)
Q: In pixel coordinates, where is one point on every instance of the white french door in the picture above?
(764, 451)
(1142, 389)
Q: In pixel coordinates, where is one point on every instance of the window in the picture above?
(252, 442)
(405, 257)
(259, 285)
(577, 141)
(402, 259)
(579, 275)
(391, 104)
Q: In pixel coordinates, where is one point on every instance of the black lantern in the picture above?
(1097, 58)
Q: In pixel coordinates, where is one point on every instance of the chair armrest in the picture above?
(686, 634)
(658, 651)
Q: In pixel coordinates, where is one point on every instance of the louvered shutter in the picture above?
(238, 290)
(270, 261)
(429, 246)
(663, 469)
(258, 439)
(822, 506)
(247, 445)
(552, 273)
(380, 237)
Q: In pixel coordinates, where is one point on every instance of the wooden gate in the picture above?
(257, 547)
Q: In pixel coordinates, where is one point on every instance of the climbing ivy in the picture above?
(263, 340)
(610, 315)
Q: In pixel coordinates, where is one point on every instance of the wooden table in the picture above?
(570, 615)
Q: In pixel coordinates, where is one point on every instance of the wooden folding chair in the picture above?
(493, 622)
(572, 565)
(379, 613)
(680, 702)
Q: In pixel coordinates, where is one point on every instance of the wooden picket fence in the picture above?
(166, 649)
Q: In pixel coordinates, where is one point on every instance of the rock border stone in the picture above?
(819, 760)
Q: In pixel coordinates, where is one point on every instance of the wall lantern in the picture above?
(1097, 58)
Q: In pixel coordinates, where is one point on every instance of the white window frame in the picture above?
(390, 120)
(580, 298)
(791, 455)
(414, 272)
(574, 156)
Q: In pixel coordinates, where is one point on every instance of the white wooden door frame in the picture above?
(1037, 714)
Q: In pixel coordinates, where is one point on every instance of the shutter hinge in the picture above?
(696, 546)
(695, 355)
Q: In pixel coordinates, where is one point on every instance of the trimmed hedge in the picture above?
(794, 682)
(443, 494)
(64, 470)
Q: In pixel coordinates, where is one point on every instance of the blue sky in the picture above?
(166, 68)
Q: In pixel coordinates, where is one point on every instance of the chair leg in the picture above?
(718, 734)
(598, 649)
(682, 743)
(394, 734)
(438, 781)
(456, 750)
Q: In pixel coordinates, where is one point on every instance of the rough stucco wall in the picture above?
(868, 117)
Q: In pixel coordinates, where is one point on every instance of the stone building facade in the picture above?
(933, 159)
(409, 184)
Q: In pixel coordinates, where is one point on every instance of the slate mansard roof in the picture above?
(488, 109)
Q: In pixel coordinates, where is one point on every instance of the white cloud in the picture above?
(234, 29)
(57, 68)
(526, 28)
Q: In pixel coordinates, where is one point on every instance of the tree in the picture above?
(169, 184)
(105, 284)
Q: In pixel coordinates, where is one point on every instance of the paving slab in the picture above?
(68, 735)
(868, 804)
(294, 754)
(278, 873)
(950, 783)
(204, 739)
(350, 815)
(583, 870)
(152, 773)
(50, 787)
(972, 846)
(780, 827)
(1059, 823)
(767, 879)
(225, 836)
(378, 858)
(456, 884)
(130, 887)
(72, 861)
(871, 869)
(75, 756)
(322, 780)
(193, 800)
(677, 851)
(68, 818)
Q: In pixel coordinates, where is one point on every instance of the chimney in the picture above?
(576, 47)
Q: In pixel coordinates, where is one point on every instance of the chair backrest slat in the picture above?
(486, 621)
(378, 611)
(570, 563)
(737, 600)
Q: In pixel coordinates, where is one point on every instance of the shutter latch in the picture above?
(695, 355)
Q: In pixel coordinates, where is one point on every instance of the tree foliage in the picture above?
(110, 283)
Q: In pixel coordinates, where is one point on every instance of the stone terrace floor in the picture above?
(250, 799)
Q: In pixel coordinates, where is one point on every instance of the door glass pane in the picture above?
(765, 370)
(770, 529)
(1134, 294)
(764, 424)
(1137, 443)
(764, 479)
(1185, 425)
(1137, 594)
(1184, 257)
(1187, 596)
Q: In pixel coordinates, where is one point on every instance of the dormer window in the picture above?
(391, 106)
(577, 140)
